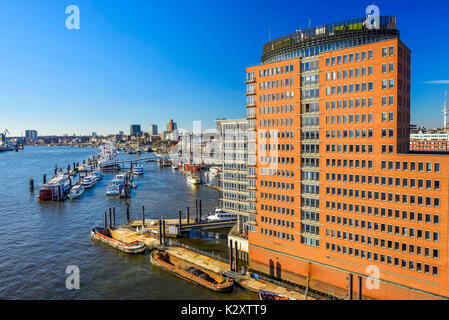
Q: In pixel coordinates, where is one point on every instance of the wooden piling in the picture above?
(110, 218)
(163, 232)
(196, 210)
(350, 286)
(44, 178)
(188, 215)
(143, 216)
(180, 224)
(359, 291)
(127, 212)
(160, 232)
(230, 255)
(236, 258)
(200, 213)
(113, 215)
(59, 193)
(31, 184)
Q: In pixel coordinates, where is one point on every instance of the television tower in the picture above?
(445, 111)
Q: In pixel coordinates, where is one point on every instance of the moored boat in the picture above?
(108, 156)
(268, 295)
(76, 192)
(104, 235)
(193, 179)
(214, 171)
(191, 272)
(98, 174)
(89, 181)
(138, 169)
(115, 187)
(55, 189)
(219, 215)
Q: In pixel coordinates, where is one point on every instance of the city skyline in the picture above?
(124, 64)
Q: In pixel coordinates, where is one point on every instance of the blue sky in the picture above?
(150, 61)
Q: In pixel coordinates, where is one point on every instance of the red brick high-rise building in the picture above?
(338, 198)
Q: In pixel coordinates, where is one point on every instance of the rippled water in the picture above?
(39, 240)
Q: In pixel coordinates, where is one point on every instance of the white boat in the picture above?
(76, 192)
(193, 179)
(121, 176)
(138, 169)
(174, 167)
(98, 174)
(115, 187)
(220, 215)
(89, 181)
(108, 156)
(214, 171)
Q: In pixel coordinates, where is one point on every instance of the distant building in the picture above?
(152, 130)
(31, 135)
(134, 129)
(171, 126)
(94, 134)
(429, 141)
(121, 133)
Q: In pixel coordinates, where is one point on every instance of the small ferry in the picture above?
(115, 187)
(98, 175)
(220, 215)
(138, 169)
(89, 181)
(105, 236)
(76, 192)
(55, 189)
(191, 272)
(193, 179)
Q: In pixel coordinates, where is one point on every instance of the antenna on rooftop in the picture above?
(445, 111)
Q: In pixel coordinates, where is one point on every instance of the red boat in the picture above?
(56, 189)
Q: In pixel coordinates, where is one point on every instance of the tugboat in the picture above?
(191, 272)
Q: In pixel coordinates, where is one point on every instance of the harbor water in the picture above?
(40, 239)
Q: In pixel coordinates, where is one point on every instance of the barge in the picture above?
(191, 272)
(104, 235)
